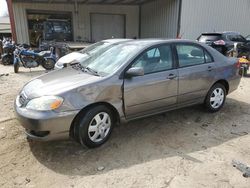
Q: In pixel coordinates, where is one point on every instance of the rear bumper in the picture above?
(45, 126)
(234, 84)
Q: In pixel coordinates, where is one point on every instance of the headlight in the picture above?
(58, 66)
(45, 103)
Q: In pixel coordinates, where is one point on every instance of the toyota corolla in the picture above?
(130, 80)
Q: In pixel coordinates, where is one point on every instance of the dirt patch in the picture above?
(182, 148)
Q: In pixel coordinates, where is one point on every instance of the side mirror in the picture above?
(135, 71)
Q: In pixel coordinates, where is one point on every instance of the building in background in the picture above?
(5, 30)
(94, 20)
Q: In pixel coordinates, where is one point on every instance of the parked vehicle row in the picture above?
(229, 44)
(126, 81)
(21, 55)
(30, 59)
(8, 52)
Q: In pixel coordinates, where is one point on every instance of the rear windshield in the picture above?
(209, 37)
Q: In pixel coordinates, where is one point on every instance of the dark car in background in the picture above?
(50, 30)
(226, 42)
(59, 30)
(248, 38)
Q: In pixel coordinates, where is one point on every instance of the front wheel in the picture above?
(95, 126)
(16, 67)
(216, 97)
(48, 64)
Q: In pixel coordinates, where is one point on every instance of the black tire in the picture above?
(210, 105)
(7, 60)
(83, 124)
(16, 67)
(243, 71)
(48, 64)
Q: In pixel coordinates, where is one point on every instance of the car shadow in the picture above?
(175, 133)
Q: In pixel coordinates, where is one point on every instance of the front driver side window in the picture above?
(155, 60)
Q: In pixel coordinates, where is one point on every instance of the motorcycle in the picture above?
(8, 53)
(30, 59)
(243, 66)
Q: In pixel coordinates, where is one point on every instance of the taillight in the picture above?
(219, 42)
(238, 64)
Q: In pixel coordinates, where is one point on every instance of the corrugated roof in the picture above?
(117, 2)
(5, 25)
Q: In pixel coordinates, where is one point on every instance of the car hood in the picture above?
(72, 57)
(58, 82)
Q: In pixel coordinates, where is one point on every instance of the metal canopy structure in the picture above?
(90, 2)
(5, 25)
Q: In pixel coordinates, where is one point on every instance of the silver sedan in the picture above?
(130, 80)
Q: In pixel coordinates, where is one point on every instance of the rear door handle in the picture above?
(210, 68)
(171, 76)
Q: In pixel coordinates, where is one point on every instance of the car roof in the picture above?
(221, 33)
(154, 41)
(116, 40)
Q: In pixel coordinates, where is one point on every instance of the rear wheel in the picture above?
(16, 67)
(7, 60)
(215, 98)
(95, 126)
(243, 71)
(48, 64)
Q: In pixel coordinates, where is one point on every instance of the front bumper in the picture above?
(45, 125)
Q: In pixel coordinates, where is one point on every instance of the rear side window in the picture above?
(189, 55)
(236, 38)
(209, 37)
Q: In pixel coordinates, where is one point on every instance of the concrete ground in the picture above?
(184, 148)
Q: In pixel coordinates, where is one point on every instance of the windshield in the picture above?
(92, 49)
(209, 37)
(111, 59)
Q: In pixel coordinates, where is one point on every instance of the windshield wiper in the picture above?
(92, 71)
(77, 66)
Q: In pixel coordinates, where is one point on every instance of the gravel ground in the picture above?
(182, 148)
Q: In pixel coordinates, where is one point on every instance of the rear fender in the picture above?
(49, 58)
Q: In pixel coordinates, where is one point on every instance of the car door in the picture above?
(196, 71)
(156, 90)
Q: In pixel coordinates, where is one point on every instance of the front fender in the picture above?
(16, 60)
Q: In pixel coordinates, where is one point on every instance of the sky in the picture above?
(3, 8)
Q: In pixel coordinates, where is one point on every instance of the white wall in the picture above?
(199, 16)
(159, 19)
(81, 18)
(131, 12)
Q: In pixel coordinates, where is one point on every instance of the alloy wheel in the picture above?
(99, 127)
(217, 98)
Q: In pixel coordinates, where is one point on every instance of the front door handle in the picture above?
(171, 76)
(209, 68)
